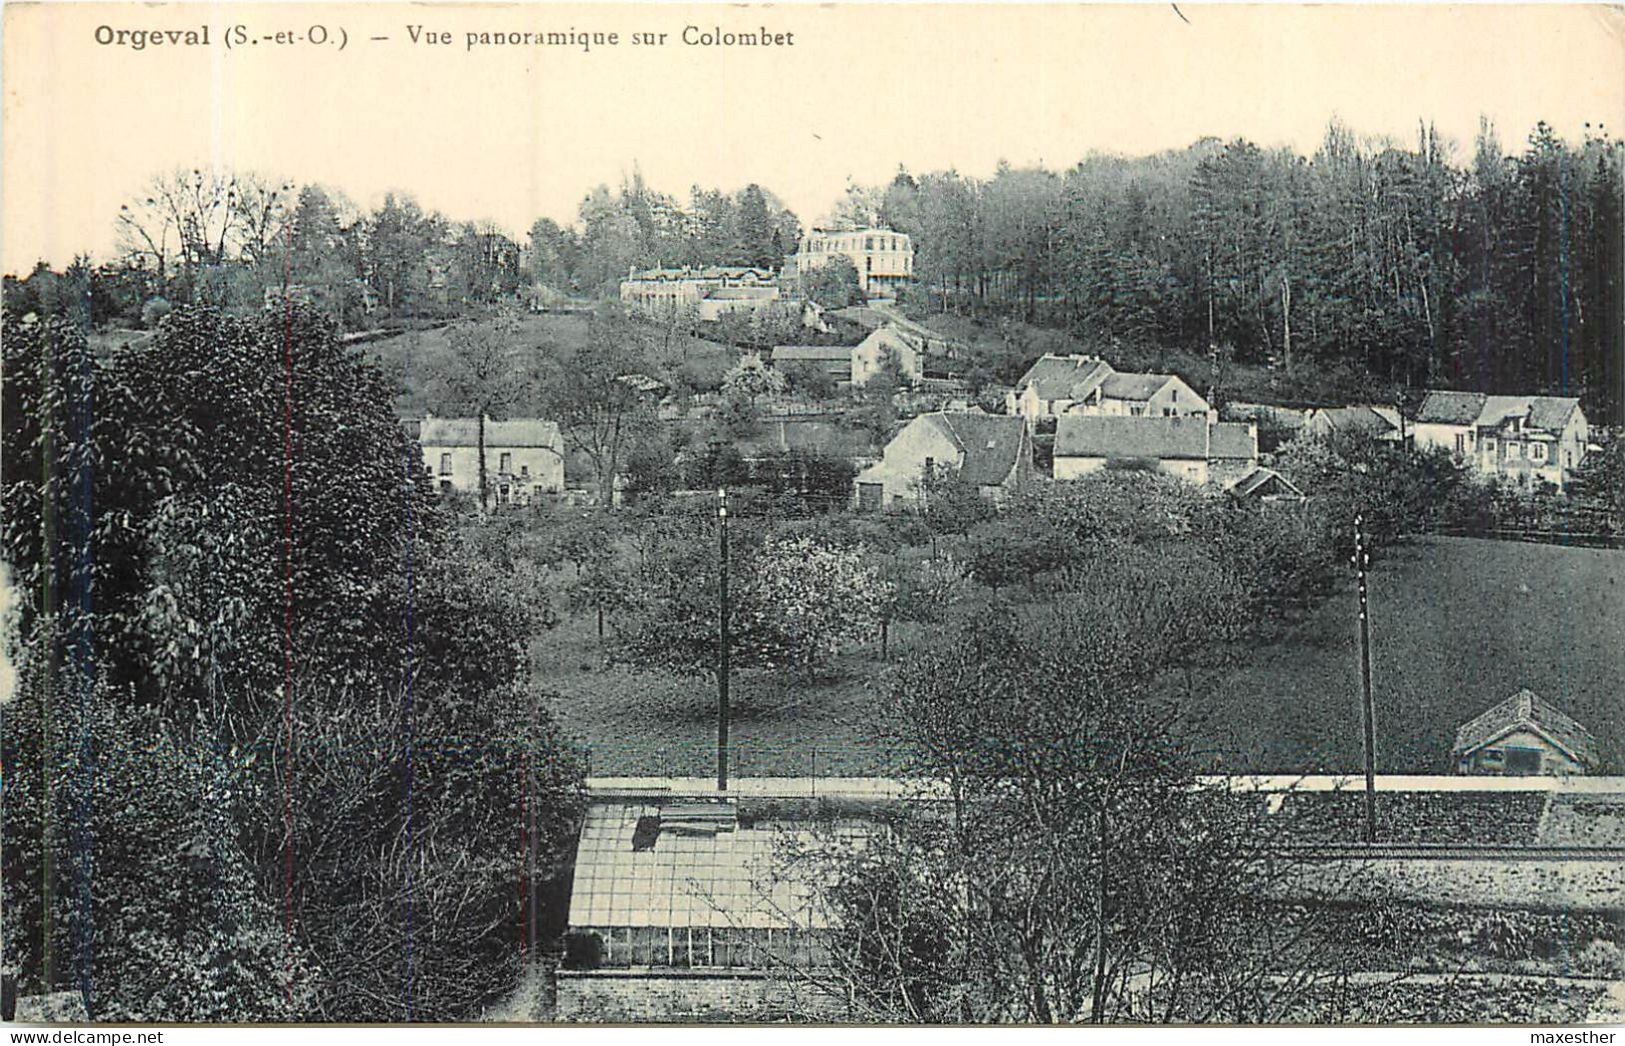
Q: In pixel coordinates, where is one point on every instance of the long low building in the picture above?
(1188, 447)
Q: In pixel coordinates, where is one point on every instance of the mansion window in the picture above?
(1537, 452)
(505, 462)
(445, 464)
(1514, 450)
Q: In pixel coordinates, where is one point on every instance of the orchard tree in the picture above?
(1074, 867)
(751, 378)
(793, 602)
(599, 398)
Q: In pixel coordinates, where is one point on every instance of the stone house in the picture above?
(524, 457)
(992, 452)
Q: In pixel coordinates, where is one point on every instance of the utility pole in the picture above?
(1362, 559)
(722, 645)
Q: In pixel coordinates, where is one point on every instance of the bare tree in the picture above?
(601, 396)
(487, 376)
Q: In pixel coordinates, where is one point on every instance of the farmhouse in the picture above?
(524, 457)
(1522, 438)
(1524, 735)
(1191, 448)
(989, 451)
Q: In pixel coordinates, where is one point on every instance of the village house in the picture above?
(1524, 735)
(870, 355)
(524, 457)
(1191, 448)
(1057, 385)
(1326, 423)
(991, 452)
(1521, 438)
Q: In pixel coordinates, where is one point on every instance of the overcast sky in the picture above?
(511, 134)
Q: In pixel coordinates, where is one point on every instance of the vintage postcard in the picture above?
(854, 514)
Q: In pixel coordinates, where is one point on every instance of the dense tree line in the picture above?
(637, 227)
(273, 735)
(1406, 263)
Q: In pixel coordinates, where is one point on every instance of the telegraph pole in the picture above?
(722, 646)
(1362, 559)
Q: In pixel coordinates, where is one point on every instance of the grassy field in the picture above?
(661, 724)
(1457, 624)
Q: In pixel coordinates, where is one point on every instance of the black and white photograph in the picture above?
(859, 515)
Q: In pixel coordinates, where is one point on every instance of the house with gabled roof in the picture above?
(1188, 447)
(1057, 385)
(1054, 383)
(1266, 486)
(1145, 396)
(1524, 734)
(1380, 423)
(1522, 438)
(992, 452)
(524, 457)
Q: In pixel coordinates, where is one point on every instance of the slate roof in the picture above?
(1550, 413)
(991, 443)
(1125, 386)
(1526, 710)
(1064, 377)
(1540, 412)
(1450, 408)
(1109, 436)
(1232, 439)
(464, 432)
